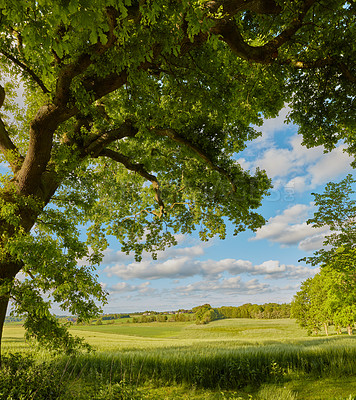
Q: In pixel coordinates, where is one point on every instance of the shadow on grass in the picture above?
(12, 339)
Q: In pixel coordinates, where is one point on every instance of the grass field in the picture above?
(226, 359)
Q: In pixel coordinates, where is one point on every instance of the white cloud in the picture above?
(295, 166)
(303, 154)
(266, 140)
(233, 285)
(297, 184)
(21, 276)
(118, 257)
(246, 165)
(330, 166)
(271, 126)
(274, 270)
(288, 228)
(312, 243)
(185, 267)
(276, 162)
(122, 287)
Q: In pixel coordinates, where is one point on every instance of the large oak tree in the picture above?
(133, 113)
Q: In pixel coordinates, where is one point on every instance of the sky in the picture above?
(252, 267)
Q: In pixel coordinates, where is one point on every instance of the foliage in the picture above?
(336, 210)
(305, 365)
(329, 298)
(263, 311)
(22, 378)
(177, 317)
(134, 113)
(205, 314)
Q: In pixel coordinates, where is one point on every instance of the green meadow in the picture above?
(225, 359)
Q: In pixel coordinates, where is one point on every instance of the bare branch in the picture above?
(139, 168)
(172, 134)
(27, 69)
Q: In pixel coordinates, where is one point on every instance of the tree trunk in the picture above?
(4, 301)
(8, 271)
(326, 328)
(349, 329)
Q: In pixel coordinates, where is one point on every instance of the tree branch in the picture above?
(70, 71)
(99, 141)
(347, 73)
(27, 69)
(173, 135)
(321, 63)
(139, 168)
(230, 34)
(232, 7)
(6, 146)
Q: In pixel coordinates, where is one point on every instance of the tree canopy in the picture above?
(336, 210)
(134, 111)
(330, 296)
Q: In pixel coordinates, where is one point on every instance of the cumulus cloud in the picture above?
(276, 162)
(268, 130)
(298, 184)
(272, 269)
(313, 242)
(184, 267)
(297, 167)
(174, 268)
(231, 285)
(330, 166)
(288, 228)
(117, 257)
(246, 165)
(123, 287)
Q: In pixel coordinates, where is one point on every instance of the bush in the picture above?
(22, 378)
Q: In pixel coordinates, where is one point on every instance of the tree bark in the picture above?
(8, 271)
(349, 329)
(326, 329)
(4, 301)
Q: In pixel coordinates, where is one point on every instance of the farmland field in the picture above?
(226, 359)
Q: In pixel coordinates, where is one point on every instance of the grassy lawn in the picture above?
(226, 359)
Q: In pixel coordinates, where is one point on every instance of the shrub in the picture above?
(22, 378)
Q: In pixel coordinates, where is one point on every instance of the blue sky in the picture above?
(251, 267)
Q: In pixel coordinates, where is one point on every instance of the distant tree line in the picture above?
(202, 314)
(178, 317)
(264, 311)
(205, 313)
(12, 319)
(108, 317)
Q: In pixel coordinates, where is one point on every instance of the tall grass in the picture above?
(212, 368)
(228, 359)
